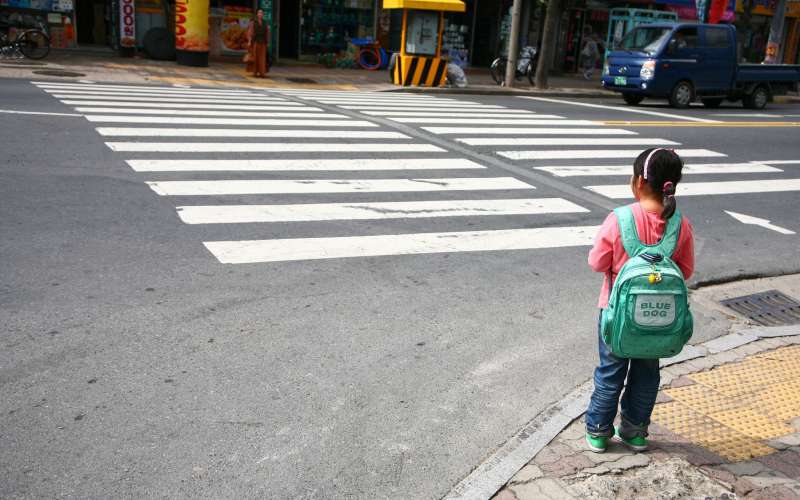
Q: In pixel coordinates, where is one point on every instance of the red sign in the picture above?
(127, 23)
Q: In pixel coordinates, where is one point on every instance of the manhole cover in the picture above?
(770, 308)
(300, 80)
(57, 72)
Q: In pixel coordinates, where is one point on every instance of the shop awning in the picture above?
(447, 5)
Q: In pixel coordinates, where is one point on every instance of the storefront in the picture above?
(56, 17)
(755, 33)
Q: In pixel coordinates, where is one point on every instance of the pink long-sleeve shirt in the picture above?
(608, 255)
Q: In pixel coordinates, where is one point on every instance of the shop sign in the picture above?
(191, 25)
(767, 7)
(233, 32)
(127, 23)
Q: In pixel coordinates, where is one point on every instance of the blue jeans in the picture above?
(638, 399)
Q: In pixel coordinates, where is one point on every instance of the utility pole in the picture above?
(775, 33)
(513, 44)
(546, 53)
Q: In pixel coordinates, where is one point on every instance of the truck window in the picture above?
(643, 39)
(717, 38)
(684, 38)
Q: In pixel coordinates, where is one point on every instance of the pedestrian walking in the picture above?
(258, 44)
(589, 56)
(656, 173)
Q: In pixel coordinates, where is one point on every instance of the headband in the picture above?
(647, 160)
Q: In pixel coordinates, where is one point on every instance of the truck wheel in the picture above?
(682, 95)
(712, 103)
(757, 100)
(632, 99)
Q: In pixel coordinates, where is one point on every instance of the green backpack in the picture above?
(648, 310)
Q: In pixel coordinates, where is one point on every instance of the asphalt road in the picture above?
(134, 362)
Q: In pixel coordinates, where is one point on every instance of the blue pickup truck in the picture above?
(685, 62)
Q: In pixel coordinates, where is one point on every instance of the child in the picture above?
(656, 172)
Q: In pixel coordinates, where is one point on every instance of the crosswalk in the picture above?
(559, 146)
(236, 157)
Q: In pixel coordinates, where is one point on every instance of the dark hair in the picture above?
(664, 170)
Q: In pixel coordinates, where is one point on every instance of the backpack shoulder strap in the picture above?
(627, 230)
(669, 240)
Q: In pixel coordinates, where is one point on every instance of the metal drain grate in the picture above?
(770, 308)
(57, 72)
(300, 80)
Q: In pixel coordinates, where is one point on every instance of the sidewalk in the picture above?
(726, 425)
(106, 66)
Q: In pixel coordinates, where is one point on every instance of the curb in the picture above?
(495, 472)
(501, 91)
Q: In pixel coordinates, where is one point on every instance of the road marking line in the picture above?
(695, 124)
(615, 108)
(121, 104)
(561, 141)
(350, 164)
(232, 132)
(199, 112)
(109, 99)
(583, 154)
(133, 88)
(432, 107)
(127, 95)
(748, 115)
(529, 130)
(540, 120)
(256, 147)
(316, 186)
(415, 102)
(710, 188)
(455, 114)
(765, 223)
(780, 162)
(84, 84)
(236, 214)
(164, 120)
(626, 170)
(510, 130)
(17, 112)
(281, 250)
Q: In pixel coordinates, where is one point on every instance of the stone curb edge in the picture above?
(491, 475)
(592, 94)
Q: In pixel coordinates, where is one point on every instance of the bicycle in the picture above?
(526, 66)
(31, 43)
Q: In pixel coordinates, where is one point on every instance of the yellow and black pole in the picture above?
(420, 62)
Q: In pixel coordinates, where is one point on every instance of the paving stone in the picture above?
(728, 342)
(773, 493)
(567, 465)
(774, 343)
(666, 379)
(765, 481)
(785, 442)
(575, 430)
(795, 423)
(552, 453)
(718, 474)
(688, 352)
(743, 486)
(750, 349)
(698, 456)
(776, 331)
(724, 357)
(786, 462)
(527, 473)
(505, 494)
(703, 364)
(612, 454)
(682, 381)
(599, 470)
(542, 489)
(629, 462)
(750, 468)
(663, 397)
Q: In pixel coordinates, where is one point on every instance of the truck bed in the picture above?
(768, 73)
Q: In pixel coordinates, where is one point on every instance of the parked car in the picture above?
(684, 62)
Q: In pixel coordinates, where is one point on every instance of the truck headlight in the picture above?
(606, 71)
(648, 70)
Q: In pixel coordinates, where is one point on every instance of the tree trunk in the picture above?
(549, 38)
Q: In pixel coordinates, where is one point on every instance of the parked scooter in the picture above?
(526, 65)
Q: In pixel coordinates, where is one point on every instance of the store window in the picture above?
(327, 25)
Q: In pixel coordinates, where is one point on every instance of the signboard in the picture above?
(191, 25)
(127, 23)
(233, 32)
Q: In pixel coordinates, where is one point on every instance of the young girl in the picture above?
(656, 172)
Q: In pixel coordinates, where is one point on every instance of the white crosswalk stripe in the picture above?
(711, 188)
(203, 112)
(123, 104)
(561, 141)
(172, 120)
(583, 154)
(311, 165)
(626, 170)
(235, 214)
(261, 147)
(234, 132)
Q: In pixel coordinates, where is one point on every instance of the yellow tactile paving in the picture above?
(733, 408)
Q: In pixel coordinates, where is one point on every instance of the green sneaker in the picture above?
(635, 443)
(597, 444)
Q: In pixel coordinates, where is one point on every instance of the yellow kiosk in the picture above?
(420, 61)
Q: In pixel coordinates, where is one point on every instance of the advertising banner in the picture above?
(233, 31)
(127, 23)
(191, 25)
